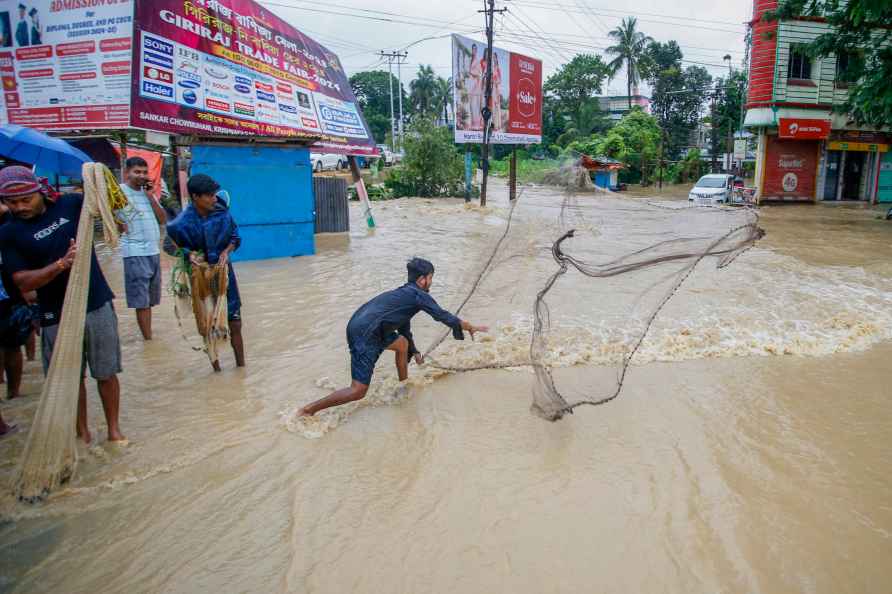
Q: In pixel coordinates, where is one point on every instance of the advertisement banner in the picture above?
(65, 64)
(516, 94)
(791, 169)
(802, 129)
(230, 67)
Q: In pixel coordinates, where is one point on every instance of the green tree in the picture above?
(861, 30)
(629, 51)
(443, 97)
(571, 109)
(640, 140)
(423, 92)
(373, 97)
(677, 95)
(729, 101)
(431, 167)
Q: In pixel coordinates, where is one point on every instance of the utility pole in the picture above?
(391, 56)
(730, 118)
(489, 13)
(399, 77)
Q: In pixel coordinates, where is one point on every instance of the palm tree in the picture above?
(629, 50)
(443, 97)
(423, 91)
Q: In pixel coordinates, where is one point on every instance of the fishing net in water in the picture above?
(202, 287)
(50, 456)
(655, 250)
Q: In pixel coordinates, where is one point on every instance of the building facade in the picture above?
(806, 151)
(618, 105)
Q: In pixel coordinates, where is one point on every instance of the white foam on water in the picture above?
(766, 305)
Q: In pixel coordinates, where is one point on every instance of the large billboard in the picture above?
(65, 64)
(516, 94)
(231, 67)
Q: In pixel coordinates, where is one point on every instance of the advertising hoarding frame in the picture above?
(233, 68)
(517, 94)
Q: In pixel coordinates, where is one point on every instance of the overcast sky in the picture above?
(552, 30)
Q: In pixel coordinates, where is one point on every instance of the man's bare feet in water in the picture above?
(85, 436)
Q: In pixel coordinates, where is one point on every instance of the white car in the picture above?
(715, 188)
(386, 155)
(327, 162)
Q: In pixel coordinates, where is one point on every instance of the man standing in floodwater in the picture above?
(139, 243)
(38, 248)
(384, 324)
(206, 231)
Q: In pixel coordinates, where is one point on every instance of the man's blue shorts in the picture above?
(364, 354)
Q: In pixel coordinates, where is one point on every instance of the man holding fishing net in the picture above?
(38, 248)
(384, 324)
(207, 234)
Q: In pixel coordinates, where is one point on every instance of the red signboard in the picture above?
(525, 110)
(803, 129)
(790, 169)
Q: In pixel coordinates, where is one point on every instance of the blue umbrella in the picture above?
(50, 154)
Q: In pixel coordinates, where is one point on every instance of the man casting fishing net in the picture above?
(384, 324)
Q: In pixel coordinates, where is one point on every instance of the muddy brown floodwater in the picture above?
(748, 452)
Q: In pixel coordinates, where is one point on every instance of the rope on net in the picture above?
(50, 456)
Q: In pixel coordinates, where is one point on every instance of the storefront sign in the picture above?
(516, 94)
(790, 169)
(802, 129)
(217, 68)
(863, 147)
(66, 65)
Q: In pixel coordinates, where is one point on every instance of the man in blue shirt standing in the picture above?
(38, 248)
(207, 233)
(384, 324)
(140, 243)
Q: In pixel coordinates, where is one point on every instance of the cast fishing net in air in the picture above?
(602, 274)
(50, 455)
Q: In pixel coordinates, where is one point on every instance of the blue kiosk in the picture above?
(271, 194)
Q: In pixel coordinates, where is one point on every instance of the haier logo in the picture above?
(160, 90)
(44, 233)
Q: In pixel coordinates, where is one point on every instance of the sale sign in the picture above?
(803, 129)
(65, 64)
(232, 68)
(516, 103)
(790, 169)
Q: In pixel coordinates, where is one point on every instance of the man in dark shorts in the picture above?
(38, 248)
(140, 243)
(384, 324)
(206, 226)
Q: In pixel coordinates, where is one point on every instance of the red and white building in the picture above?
(806, 151)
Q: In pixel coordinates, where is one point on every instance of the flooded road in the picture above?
(748, 452)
